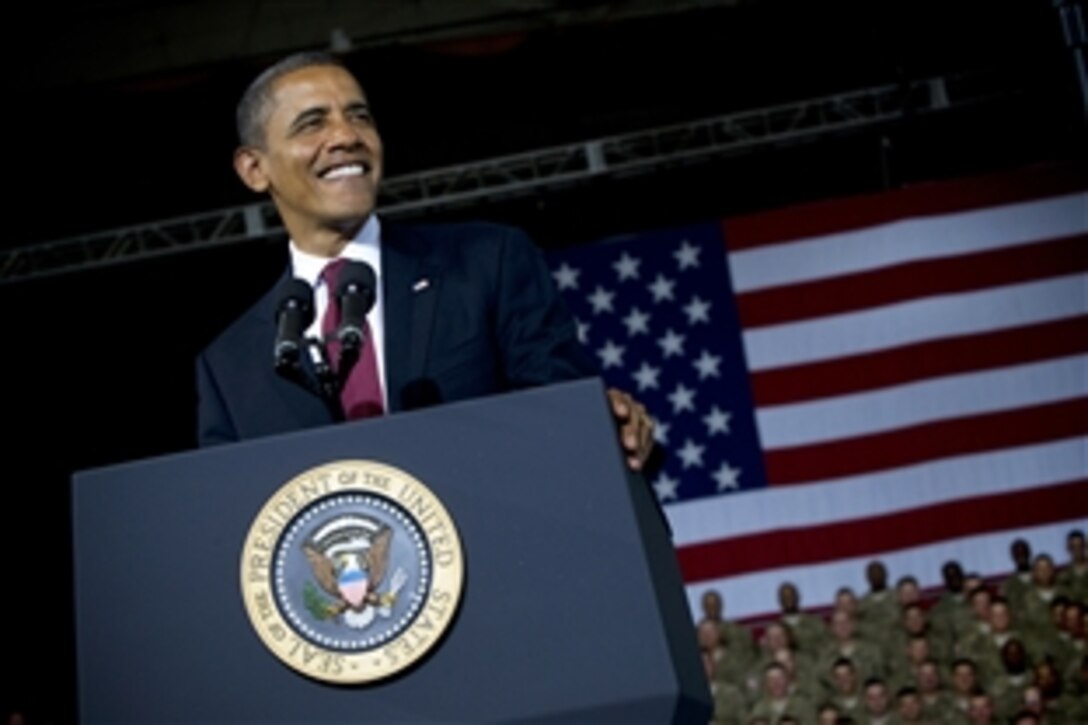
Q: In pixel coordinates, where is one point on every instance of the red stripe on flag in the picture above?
(1022, 263)
(940, 197)
(888, 532)
(931, 359)
(927, 441)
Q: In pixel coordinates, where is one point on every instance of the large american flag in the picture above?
(901, 376)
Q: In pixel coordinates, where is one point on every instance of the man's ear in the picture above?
(250, 169)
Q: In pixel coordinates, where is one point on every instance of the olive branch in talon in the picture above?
(318, 605)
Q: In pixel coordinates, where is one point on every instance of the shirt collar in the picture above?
(365, 247)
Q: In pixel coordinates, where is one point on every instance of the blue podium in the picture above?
(571, 607)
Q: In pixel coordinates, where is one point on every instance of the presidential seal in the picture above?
(352, 571)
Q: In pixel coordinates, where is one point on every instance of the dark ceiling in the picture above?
(142, 147)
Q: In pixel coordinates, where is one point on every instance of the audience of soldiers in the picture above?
(1011, 651)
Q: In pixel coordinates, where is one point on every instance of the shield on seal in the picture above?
(353, 584)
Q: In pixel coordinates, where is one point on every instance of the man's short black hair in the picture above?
(252, 111)
(964, 662)
(842, 662)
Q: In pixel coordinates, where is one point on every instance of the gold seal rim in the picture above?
(408, 646)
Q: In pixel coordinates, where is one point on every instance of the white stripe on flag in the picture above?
(934, 318)
(952, 396)
(910, 487)
(910, 240)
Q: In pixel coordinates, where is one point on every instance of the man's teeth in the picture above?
(342, 171)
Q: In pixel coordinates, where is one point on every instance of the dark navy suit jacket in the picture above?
(470, 310)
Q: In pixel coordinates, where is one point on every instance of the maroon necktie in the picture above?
(362, 393)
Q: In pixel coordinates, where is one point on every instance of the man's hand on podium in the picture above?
(636, 427)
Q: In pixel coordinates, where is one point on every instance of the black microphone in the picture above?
(294, 313)
(356, 288)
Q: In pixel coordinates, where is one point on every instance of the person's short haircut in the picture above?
(906, 691)
(961, 661)
(874, 681)
(252, 111)
(842, 662)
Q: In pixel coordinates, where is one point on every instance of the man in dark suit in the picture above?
(462, 310)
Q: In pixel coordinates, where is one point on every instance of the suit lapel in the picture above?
(410, 282)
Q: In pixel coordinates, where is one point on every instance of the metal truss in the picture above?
(530, 172)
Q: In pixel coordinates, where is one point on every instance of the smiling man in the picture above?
(309, 140)
(461, 310)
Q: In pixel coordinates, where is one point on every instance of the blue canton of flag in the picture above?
(656, 310)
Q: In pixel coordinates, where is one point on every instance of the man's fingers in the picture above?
(621, 402)
(636, 427)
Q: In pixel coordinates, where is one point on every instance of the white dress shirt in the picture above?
(365, 247)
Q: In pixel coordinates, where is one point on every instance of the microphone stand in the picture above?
(325, 384)
(349, 355)
(329, 383)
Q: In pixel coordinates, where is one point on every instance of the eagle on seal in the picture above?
(349, 557)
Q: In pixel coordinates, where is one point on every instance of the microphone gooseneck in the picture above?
(356, 291)
(294, 313)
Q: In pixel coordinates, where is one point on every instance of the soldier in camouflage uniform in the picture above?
(964, 680)
(949, 616)
(877, 708)
(809, 631)
(985, 649)
(777, 700)
(1008, 687)
(1073, 578)
(908, 706)
(1015, 586)
(879, 608)
(720, 658)
(978, 602)
(937, 704)
(1037, 617)
(846, 694)
(1073, 641)
(867, 658)
(980, 708)
(915, 623)
(732, 633)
